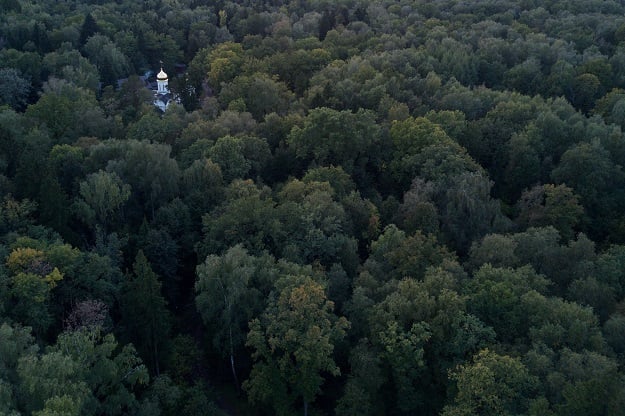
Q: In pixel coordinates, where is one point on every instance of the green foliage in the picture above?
(16, 342)
(246, 216)
(71, 66)
(294, 344)
(315, 226)
(231, 290)
(340, 181)
(365, 380)
(470, 214)
(600, 173)
(227, 152)
(147, 167)
(495, 295)
(329, 137)
(394, 256)
(412, 135)
(540, 248)
(88, 29)
(367, 156)
(547, 325)
(102, 196)
(111, 372)
(261, 95)
(145, 317)
(52, 383)
(14, 89)
(492, 384)
(422, 148)
(550, 205)
(404, 352)
(68, 112)
(224, 62)
(202, 183)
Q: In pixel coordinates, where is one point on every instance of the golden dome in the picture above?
(162, 76)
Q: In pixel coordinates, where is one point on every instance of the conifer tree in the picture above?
(145, 317)
(88, 29)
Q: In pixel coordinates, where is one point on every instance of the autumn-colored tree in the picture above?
(492, 384)
(293, 344)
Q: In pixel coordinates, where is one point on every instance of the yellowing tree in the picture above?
(294, 342)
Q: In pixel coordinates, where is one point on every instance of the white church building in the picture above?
(162, 96)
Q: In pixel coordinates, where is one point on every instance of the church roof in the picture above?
(162, 76)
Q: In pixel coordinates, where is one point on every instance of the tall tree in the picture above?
(102, 195)
(548, 204)
(108, 58)
(492, 384)
(294, 343)
(146, 320)
(112, 372)
(68, 112)
(52, 384)
(229, 295)
(329, 137)
(150, 171)
(14, 88)
(89, 28)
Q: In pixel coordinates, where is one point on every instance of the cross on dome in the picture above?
(162, 96)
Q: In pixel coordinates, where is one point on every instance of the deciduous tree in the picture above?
(293, 345)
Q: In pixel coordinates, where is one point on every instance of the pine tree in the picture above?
(88, 29)
(146, 320)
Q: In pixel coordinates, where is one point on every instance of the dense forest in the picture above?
(356, 208)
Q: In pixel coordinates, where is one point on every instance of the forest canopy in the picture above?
(348, 208)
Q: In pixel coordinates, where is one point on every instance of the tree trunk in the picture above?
(156, 368)
(234, 371)
(305, 408)
(227, 305)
